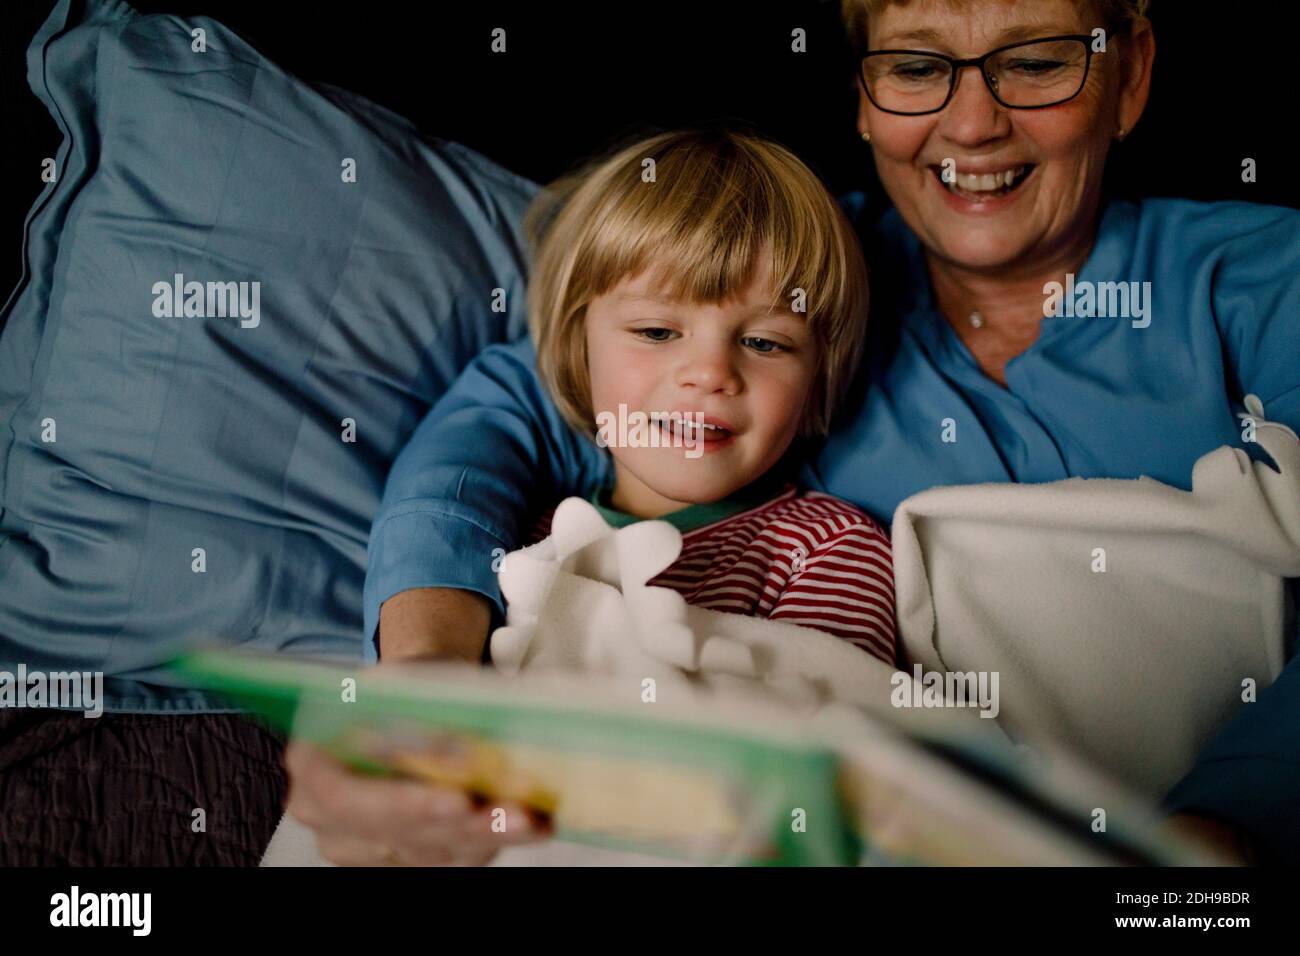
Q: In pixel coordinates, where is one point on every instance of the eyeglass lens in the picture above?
(1031, 74)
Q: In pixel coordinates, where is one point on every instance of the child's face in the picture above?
(736, 362)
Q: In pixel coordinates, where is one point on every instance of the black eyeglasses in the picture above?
(1023, 76)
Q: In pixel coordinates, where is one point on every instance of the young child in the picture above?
(706, 282)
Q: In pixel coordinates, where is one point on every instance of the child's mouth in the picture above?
(687, 432)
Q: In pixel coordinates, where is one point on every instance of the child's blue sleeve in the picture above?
(492, 447)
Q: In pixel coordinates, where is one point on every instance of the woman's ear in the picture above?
(1137, 57)
(864, 113)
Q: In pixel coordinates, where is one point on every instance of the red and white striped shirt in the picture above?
(803, 558)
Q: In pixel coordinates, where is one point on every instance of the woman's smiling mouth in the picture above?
(984, 187)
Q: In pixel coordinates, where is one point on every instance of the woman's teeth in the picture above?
(986, 185)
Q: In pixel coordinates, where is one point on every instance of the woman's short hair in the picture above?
(711, 203)
(1117, 15)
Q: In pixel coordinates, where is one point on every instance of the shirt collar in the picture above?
(756, 493)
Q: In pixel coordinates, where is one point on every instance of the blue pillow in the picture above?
(240, 295)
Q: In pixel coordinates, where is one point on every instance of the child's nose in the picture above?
(710, 371)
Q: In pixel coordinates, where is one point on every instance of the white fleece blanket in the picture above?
(579, 601)
(1134, 666)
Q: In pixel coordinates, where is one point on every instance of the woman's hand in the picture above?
(375, 821)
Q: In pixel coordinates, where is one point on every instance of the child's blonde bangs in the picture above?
(713, 224)
(712, 204)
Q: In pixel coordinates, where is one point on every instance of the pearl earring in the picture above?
(866, 137)
(1122, 132)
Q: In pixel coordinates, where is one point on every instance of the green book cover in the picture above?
(717, 781)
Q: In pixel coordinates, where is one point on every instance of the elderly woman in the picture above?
(990, 123)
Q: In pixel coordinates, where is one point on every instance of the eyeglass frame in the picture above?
(959, 64)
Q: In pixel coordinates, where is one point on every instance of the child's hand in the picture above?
(375, 821)
(369, 821)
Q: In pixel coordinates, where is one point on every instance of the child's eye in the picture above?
(642, 332)
(764, 346)
(776, 346)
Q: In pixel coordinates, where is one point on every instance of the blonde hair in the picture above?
(718, 200)
(1118, 15)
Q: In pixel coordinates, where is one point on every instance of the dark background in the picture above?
(576, 75)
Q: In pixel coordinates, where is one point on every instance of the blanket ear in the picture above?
(1281, 486)
(646, 549)
(575, 524)
(526, 576)
(1229, 480)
